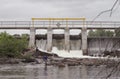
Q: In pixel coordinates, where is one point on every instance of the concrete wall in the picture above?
(95, 45)
(98, 45)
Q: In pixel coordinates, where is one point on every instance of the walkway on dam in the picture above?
(59, 24)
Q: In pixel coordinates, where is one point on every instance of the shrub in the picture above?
(11, 46)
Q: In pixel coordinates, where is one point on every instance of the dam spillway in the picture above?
(66, 41)
(96, 45)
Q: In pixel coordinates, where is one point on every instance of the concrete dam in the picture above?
(66, 41)
(95, 45)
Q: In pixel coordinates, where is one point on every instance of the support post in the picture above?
(49, 39)
(32, 37)
(67, 39)
(84, 40)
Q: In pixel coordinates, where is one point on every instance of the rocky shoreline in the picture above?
(85, 61)
(34, 56)
(61, 62)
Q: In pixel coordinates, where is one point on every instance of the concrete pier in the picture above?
(67, 39)
(84, 40)
(49, 39)
(32, 37)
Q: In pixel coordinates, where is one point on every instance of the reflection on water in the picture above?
(54, 72)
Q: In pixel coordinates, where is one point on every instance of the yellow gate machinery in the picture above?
(50, 20)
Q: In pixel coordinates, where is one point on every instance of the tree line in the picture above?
(104, 33)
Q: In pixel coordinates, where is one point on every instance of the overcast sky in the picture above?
(26, 9)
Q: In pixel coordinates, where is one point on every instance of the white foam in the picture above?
(73, 54)
(66, 54)
(63, 53)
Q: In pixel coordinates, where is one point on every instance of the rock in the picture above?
(43, 53)
(28, 60)
(112, 53)
(38, 61)
(9, 61)
(61, 65)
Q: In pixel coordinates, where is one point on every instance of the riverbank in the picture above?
(34, 56)
(61, 62)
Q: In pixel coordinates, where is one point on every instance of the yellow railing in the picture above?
(58, 19)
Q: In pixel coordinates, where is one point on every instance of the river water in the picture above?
(54, 72)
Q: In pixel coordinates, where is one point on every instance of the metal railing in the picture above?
(44, 23)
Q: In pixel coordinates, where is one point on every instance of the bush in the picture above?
(11, 46)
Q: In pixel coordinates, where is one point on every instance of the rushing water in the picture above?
(55, 72)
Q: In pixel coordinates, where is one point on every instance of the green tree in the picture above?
(11, 46)
(100, 33)
(91, 33)
(109, 33)
(117, 32)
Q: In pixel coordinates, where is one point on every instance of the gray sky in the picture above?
(26, 9)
